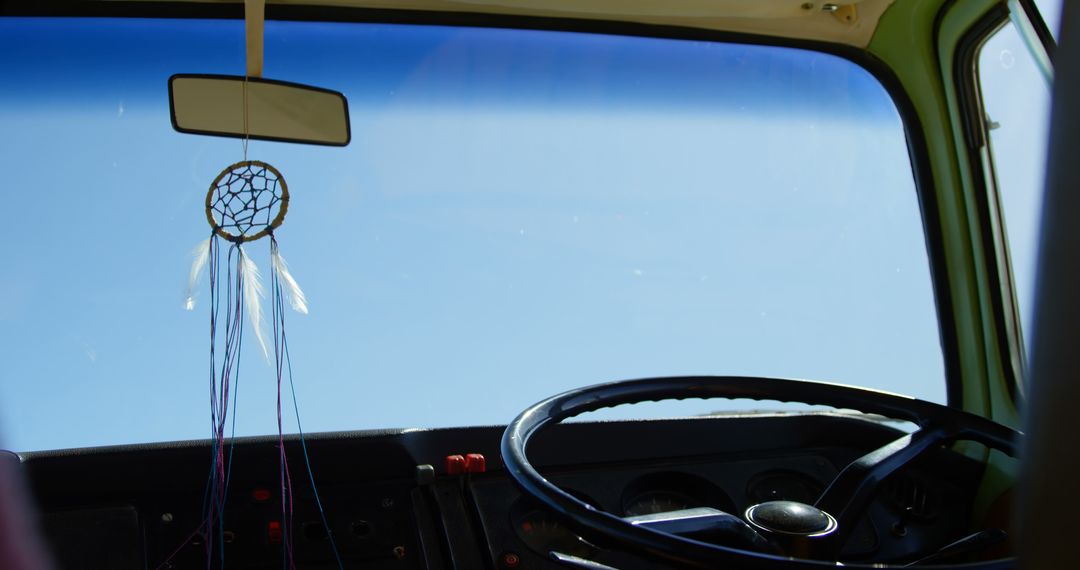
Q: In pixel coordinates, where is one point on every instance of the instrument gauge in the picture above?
(783, 485)
(652, 502)
(542, 532)
(666, 491)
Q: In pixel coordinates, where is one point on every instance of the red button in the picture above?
(273, 531)
(260, 495)
(455, 464)
(475, 463)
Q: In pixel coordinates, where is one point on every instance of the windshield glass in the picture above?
(518, 213)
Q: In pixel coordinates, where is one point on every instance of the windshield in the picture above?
(518, 213)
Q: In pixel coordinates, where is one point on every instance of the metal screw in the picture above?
(829, 7)
(399, 552)
(166, 518)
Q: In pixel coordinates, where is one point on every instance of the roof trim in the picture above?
(847, 22)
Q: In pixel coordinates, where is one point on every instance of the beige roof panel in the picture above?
(850, 22)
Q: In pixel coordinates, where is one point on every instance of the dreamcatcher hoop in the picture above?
(221, 195)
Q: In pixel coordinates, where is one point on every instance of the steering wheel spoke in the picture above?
(850, 493)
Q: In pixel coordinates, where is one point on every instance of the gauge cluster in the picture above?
(520, 530)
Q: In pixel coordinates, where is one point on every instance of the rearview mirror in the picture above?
(276, 110)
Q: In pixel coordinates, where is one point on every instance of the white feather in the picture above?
(292, 288)
(201, 255)
(253, 293)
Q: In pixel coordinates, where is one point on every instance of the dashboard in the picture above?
(390, 501)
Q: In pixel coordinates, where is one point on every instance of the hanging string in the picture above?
(247, 133)
(281, 280)
(241, 285)
(286, 478)
(221, 383)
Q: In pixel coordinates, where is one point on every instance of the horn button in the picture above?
(790, 518)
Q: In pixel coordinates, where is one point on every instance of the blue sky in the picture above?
(519, 213)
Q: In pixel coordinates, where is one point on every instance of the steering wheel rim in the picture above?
(939, 422)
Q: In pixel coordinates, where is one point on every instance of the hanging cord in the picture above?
(247, 130)
(223, 384)
(215, 485)
(220, 384)
(286, 478)
(211, 513)
(283, 364)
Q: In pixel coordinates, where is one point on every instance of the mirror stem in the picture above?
(254, 17)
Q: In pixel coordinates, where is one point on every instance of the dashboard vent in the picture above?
(912, 496)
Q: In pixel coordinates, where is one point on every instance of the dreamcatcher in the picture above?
(246, 202)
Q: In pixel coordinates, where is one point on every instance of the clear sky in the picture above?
(519, 213)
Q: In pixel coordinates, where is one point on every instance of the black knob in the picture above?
(790, 517)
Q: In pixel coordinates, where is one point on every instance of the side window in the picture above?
(1051, 14)
(1016, 100)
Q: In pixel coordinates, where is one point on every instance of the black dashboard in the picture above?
(139, 507)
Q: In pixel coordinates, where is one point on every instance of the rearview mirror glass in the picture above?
(276, 110)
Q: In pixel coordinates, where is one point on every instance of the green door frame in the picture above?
(919, 41)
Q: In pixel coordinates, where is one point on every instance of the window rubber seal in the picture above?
(1007, 320)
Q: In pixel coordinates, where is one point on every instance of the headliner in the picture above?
(847, 22)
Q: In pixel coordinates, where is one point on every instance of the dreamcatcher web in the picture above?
(247, 201)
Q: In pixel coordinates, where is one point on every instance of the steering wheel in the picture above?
(838, 508)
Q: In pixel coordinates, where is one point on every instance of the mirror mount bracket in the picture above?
(254, 22)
